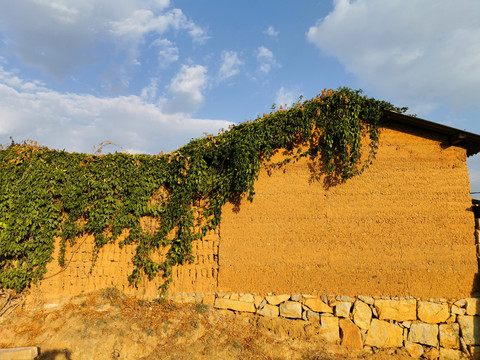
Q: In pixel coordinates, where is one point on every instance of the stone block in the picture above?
(247, 298)
(460, 303)
(312, 316)
(366, 299)
(432, 313)
(472, 306)
(291, 309)
(329, 328)
(258, 300)
(382, 334)
(318, 305)
(236, 305)
(276, 299)
(21, 353)
(457, 310)
(400, 310)
(296, 297)
(470, 329)
(350, 335)
(449, 335)
(362, 315)
(431, 354)
(414, 350)
(451, 354)
(269, 310)
(343, 298)
(342, 309)
(425, 334)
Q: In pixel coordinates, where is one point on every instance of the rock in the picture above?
(291, 309)
(234, 296)
(470, 329)
(400, 310)
(451, 354)
(472, 306)
(342, 309)
(362, 315)
(221, 303)
(19, 353)
(457, 310)
(318, 305)
(451, 319)
(276, 299)
(247, 298)
(413, 349)
(425, 334)
(258, 300)
(312, 316)
(460, 303)
(343, 298)
(383, 334)
(431, 354)
(269, 310)
(350, 334)
(407, 324)
(432, 313)
(366, 299)
(296, 297)
(329, 329)
(449, 335)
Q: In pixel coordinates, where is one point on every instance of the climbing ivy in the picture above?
(47, 194)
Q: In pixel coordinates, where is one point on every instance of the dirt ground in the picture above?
(110, 325)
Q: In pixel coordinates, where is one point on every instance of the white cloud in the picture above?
(77, 122)
(167, 52)
(271, 31)
(149, 93)
(230, 65)
(60, 36)
(266, 59)
(285, 98)
(417, 51)
(186, 89)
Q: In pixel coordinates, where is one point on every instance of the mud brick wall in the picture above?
(403, 228)
(113, 265)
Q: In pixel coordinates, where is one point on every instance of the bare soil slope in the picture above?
(109, 325)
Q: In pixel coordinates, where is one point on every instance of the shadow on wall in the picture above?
(63, 354)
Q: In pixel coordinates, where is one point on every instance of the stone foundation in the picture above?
(425, 328)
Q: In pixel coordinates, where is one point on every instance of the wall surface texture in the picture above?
(402, 228)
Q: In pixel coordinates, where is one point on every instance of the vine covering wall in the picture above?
(47, 194)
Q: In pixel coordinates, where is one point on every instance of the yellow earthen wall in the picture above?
(404, 227)
(114, 265)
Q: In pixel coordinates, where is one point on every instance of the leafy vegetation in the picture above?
(47, 194)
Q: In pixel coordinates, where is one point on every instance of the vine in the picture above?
(47, 194)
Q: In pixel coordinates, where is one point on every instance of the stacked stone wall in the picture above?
(427, 328)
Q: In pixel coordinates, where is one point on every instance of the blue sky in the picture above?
(152, 74)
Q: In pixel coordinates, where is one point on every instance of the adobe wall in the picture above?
(403, 228)
(114, 265)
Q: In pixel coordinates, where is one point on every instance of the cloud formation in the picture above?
(271, 31)
(186, 89)
(230, 65)
(421, 52)
(78, 122)
(59, 36)
(266, 60)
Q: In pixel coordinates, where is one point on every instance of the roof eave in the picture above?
(456, 137)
